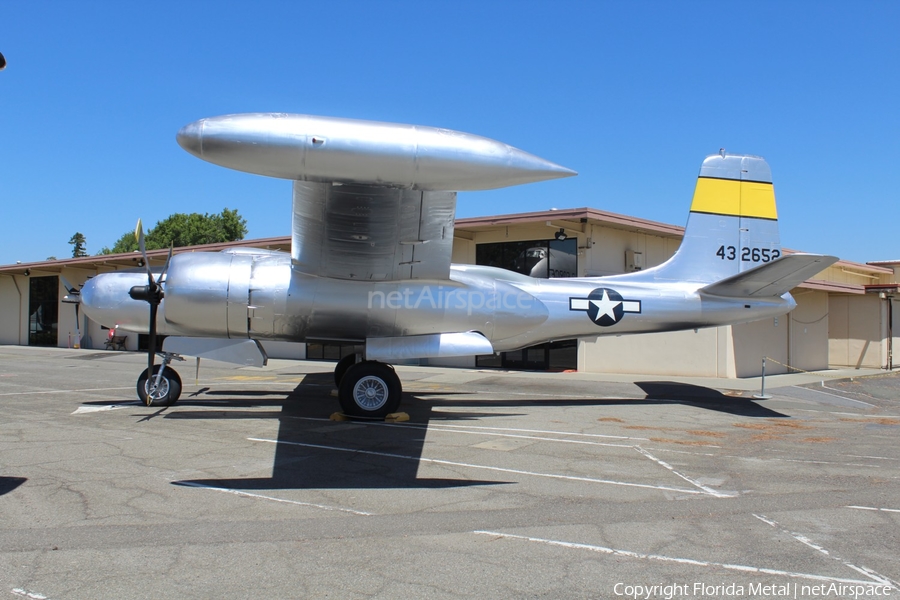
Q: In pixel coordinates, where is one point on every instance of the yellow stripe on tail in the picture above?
(734, 198)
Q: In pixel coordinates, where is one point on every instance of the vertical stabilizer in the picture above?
(733, 223)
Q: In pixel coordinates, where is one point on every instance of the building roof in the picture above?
(884, 263)
(130, 260)
(573, 215)
(833, 286)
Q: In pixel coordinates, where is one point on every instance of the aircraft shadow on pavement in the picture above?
(657, 392)
(312, 452)
(703, 397)
(8, 484)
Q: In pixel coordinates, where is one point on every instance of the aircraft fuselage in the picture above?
(242, 295)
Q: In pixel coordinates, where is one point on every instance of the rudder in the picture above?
(733, 223)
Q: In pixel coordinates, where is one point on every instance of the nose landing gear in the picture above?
(163, 387)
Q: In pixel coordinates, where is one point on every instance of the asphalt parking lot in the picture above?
(501, 485)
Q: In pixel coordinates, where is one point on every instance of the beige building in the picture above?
(846, 317)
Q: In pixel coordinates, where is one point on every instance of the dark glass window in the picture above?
(324, 351)
(536, 258)
(43, 311)
(552, 356)
(144, 341)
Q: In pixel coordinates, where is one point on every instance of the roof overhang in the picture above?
(574, 215)
(832, 287)
(131, 260)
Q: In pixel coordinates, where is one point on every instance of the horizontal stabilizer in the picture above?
(771, 279)
(435, 345)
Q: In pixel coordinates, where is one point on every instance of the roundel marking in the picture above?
(605, 306)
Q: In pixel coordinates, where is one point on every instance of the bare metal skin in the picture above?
(372, 225)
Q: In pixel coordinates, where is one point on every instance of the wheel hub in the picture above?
(370, 393)
(156, 392)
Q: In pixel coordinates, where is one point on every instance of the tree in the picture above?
(182, 229)
(79, 242)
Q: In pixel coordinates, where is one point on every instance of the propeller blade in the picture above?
(168, 260)
(74, 291)
(153, 296)
(139, 234)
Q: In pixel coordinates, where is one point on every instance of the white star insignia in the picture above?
(605, 306)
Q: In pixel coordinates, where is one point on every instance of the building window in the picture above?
(144, 342)
(552, 356)
(323, 351)
(536, 258)
(43, 311)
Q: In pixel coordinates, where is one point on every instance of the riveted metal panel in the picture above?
(238, 295)
(372, 233)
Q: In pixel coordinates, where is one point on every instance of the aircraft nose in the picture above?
(88, 293)
(190, 137)
(105, 299)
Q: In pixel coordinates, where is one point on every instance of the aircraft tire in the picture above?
(340, 369)
(370, 389)
(170, 387)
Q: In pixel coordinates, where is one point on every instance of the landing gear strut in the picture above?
(368, 388)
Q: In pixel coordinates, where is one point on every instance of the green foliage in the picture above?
(126, 243)
(182, 229)
(79, 242)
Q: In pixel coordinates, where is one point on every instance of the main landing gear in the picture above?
(367, 388)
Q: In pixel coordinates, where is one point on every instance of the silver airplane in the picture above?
(372, 235)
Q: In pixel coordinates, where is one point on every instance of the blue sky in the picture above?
(632, 95)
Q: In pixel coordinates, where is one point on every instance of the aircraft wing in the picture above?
(372, 200)
(771, 279)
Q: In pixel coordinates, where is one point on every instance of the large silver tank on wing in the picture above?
(329, 149)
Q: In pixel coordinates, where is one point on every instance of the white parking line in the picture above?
(484, 467)
(894, 510)
(672, 559)
(808, 542)
(794, 460)
(81, 410)
(589, 435)
(272, 498)
(708, 490)
(525, 437)
(432, 425)
(27, 594)
(131, 387)
(835, 395)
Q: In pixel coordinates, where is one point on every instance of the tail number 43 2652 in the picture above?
(748, 254)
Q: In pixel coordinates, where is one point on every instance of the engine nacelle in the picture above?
(209, 294)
